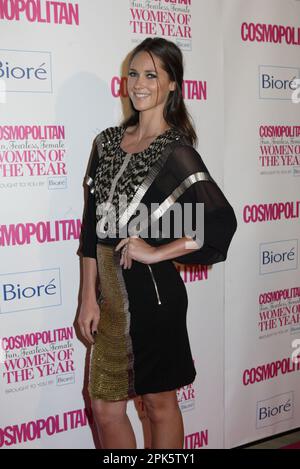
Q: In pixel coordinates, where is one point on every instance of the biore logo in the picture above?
(278, 256)
(36, 289)
(57, 183)
(65, 379)
(26, 71)
(274, 410)
(277, 82)
(39, 11)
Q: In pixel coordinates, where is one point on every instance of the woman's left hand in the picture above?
(135, 248)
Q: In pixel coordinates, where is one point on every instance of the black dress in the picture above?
(142, 345)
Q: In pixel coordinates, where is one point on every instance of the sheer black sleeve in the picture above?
(219, 219)
(88, 237)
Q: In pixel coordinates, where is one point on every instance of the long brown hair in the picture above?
(175, 111)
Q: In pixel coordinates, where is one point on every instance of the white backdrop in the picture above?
(60, 69)
(262, 399)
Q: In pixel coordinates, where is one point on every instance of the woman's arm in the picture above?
(176, 248)
(89, 315)
(89, 286)
(136, 248)
(219, 224)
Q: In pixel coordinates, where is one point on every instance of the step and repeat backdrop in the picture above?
(261, 42)
(62, 81)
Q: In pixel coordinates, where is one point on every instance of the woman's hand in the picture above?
(135, 248)
(88, 319)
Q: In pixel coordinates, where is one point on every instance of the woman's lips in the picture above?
(141, 95)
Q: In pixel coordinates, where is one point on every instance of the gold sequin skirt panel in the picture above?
(112, 360)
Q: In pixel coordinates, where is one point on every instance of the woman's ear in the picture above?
(172, 86)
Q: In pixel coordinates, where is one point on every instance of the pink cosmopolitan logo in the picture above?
(268, 371)
(193, 273)
(192, 89)
(196, 440)
(33, 358)
(49, 354)
(40, 11)
(166, 18)
(279, 148)
(39, 232)
(37, 339)
(271, 212)
(14, 434)
(278, 309)
(32, 151)
(274, 33)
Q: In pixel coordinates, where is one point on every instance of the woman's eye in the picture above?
(149, 75)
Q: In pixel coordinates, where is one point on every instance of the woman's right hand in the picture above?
(88, 319)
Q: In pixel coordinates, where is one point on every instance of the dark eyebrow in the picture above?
(147, 71)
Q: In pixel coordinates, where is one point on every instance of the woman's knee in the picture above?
(106, 412)
(159, 406)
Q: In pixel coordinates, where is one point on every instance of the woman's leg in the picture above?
(142, 413)
(113, 424)
(165, 419)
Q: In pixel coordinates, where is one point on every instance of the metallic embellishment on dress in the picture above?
(90, 178)
(112, 362)
(100, 297)
(171, 199)
(134, 179)
(109, 216)
(90, 182)
(118, 175)
(142, 189)
(155, 285)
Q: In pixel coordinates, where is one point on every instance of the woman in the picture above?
(138, 325)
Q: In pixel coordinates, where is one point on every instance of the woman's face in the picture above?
(148, 88)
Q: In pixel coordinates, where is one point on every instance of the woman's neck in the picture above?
(150, 126)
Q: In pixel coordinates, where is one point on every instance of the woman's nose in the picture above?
(139, 81)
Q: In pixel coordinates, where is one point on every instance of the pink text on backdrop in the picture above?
(40, 232)
(269, 371)
(275, 33)
(191, 89)
(271, 212)
(40, 11)
(49, 426)
(160, 22)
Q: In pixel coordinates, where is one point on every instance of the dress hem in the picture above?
(141, 392)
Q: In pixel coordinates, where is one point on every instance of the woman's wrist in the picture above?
(175, 248)
(89, 295)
